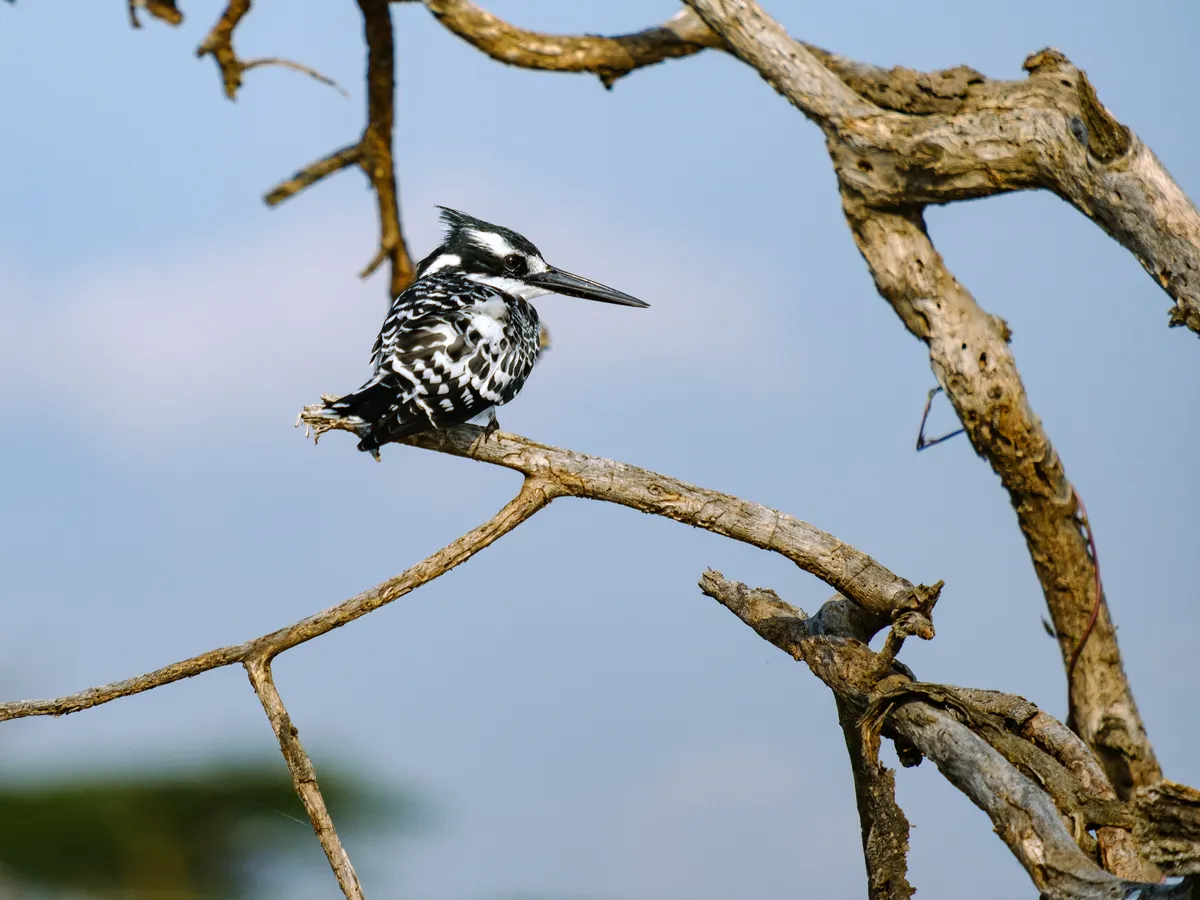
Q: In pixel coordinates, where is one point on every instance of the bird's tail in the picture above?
(366, 410)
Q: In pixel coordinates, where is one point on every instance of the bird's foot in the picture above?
(489, 428)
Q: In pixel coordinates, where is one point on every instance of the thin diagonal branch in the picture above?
(533, 496)
(304, 775)
(314, 172)
(841, 566)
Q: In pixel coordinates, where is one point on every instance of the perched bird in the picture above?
(463, 338)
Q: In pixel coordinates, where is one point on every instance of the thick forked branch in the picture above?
(219, 45)
(304, 776)
(314, 172)
(1022, 813)
(889, 165)
(973, 137)
(971, 358)
(684, 34)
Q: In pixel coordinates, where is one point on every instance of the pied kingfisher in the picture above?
(463, 338)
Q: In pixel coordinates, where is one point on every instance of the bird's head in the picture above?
(497, 256)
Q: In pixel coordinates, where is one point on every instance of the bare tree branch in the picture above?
(841, 566)
(314, 172)
(608, 57)
(1022, 813)
(889, 165)
(304, 776)
(785, 64)
(899, 140)
(372, 152)
(1118, 851)
(533, 496)
(376, 158)
(1049, 132)
(219, 45)
(970, 356)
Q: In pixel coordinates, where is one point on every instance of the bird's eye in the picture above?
(514, 262)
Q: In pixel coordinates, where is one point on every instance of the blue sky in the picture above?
(585, 722)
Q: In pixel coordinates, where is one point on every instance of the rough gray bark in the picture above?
(999, 136)
(946, 726)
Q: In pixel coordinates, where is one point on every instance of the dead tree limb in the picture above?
(900, 140)
(999, 137)
(533, 496)
(304, 775)
(841, 566)
(1022, 812)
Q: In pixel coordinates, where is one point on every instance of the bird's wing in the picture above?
(453, 362)
(429, 297)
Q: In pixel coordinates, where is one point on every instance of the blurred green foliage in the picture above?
(194, 834)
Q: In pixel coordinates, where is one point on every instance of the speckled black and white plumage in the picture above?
(462, 339)
(451, 350)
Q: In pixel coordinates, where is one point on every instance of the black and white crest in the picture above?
(463, 338)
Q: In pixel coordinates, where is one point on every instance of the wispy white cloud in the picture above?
(266, 319)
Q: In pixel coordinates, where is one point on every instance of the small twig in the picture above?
(1022, 812)
(314, 172)
(295, 67)
(304, 775)
(922, 441)
(1097, 599)
(219, 45)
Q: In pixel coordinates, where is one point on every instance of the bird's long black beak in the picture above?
(574, 286)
